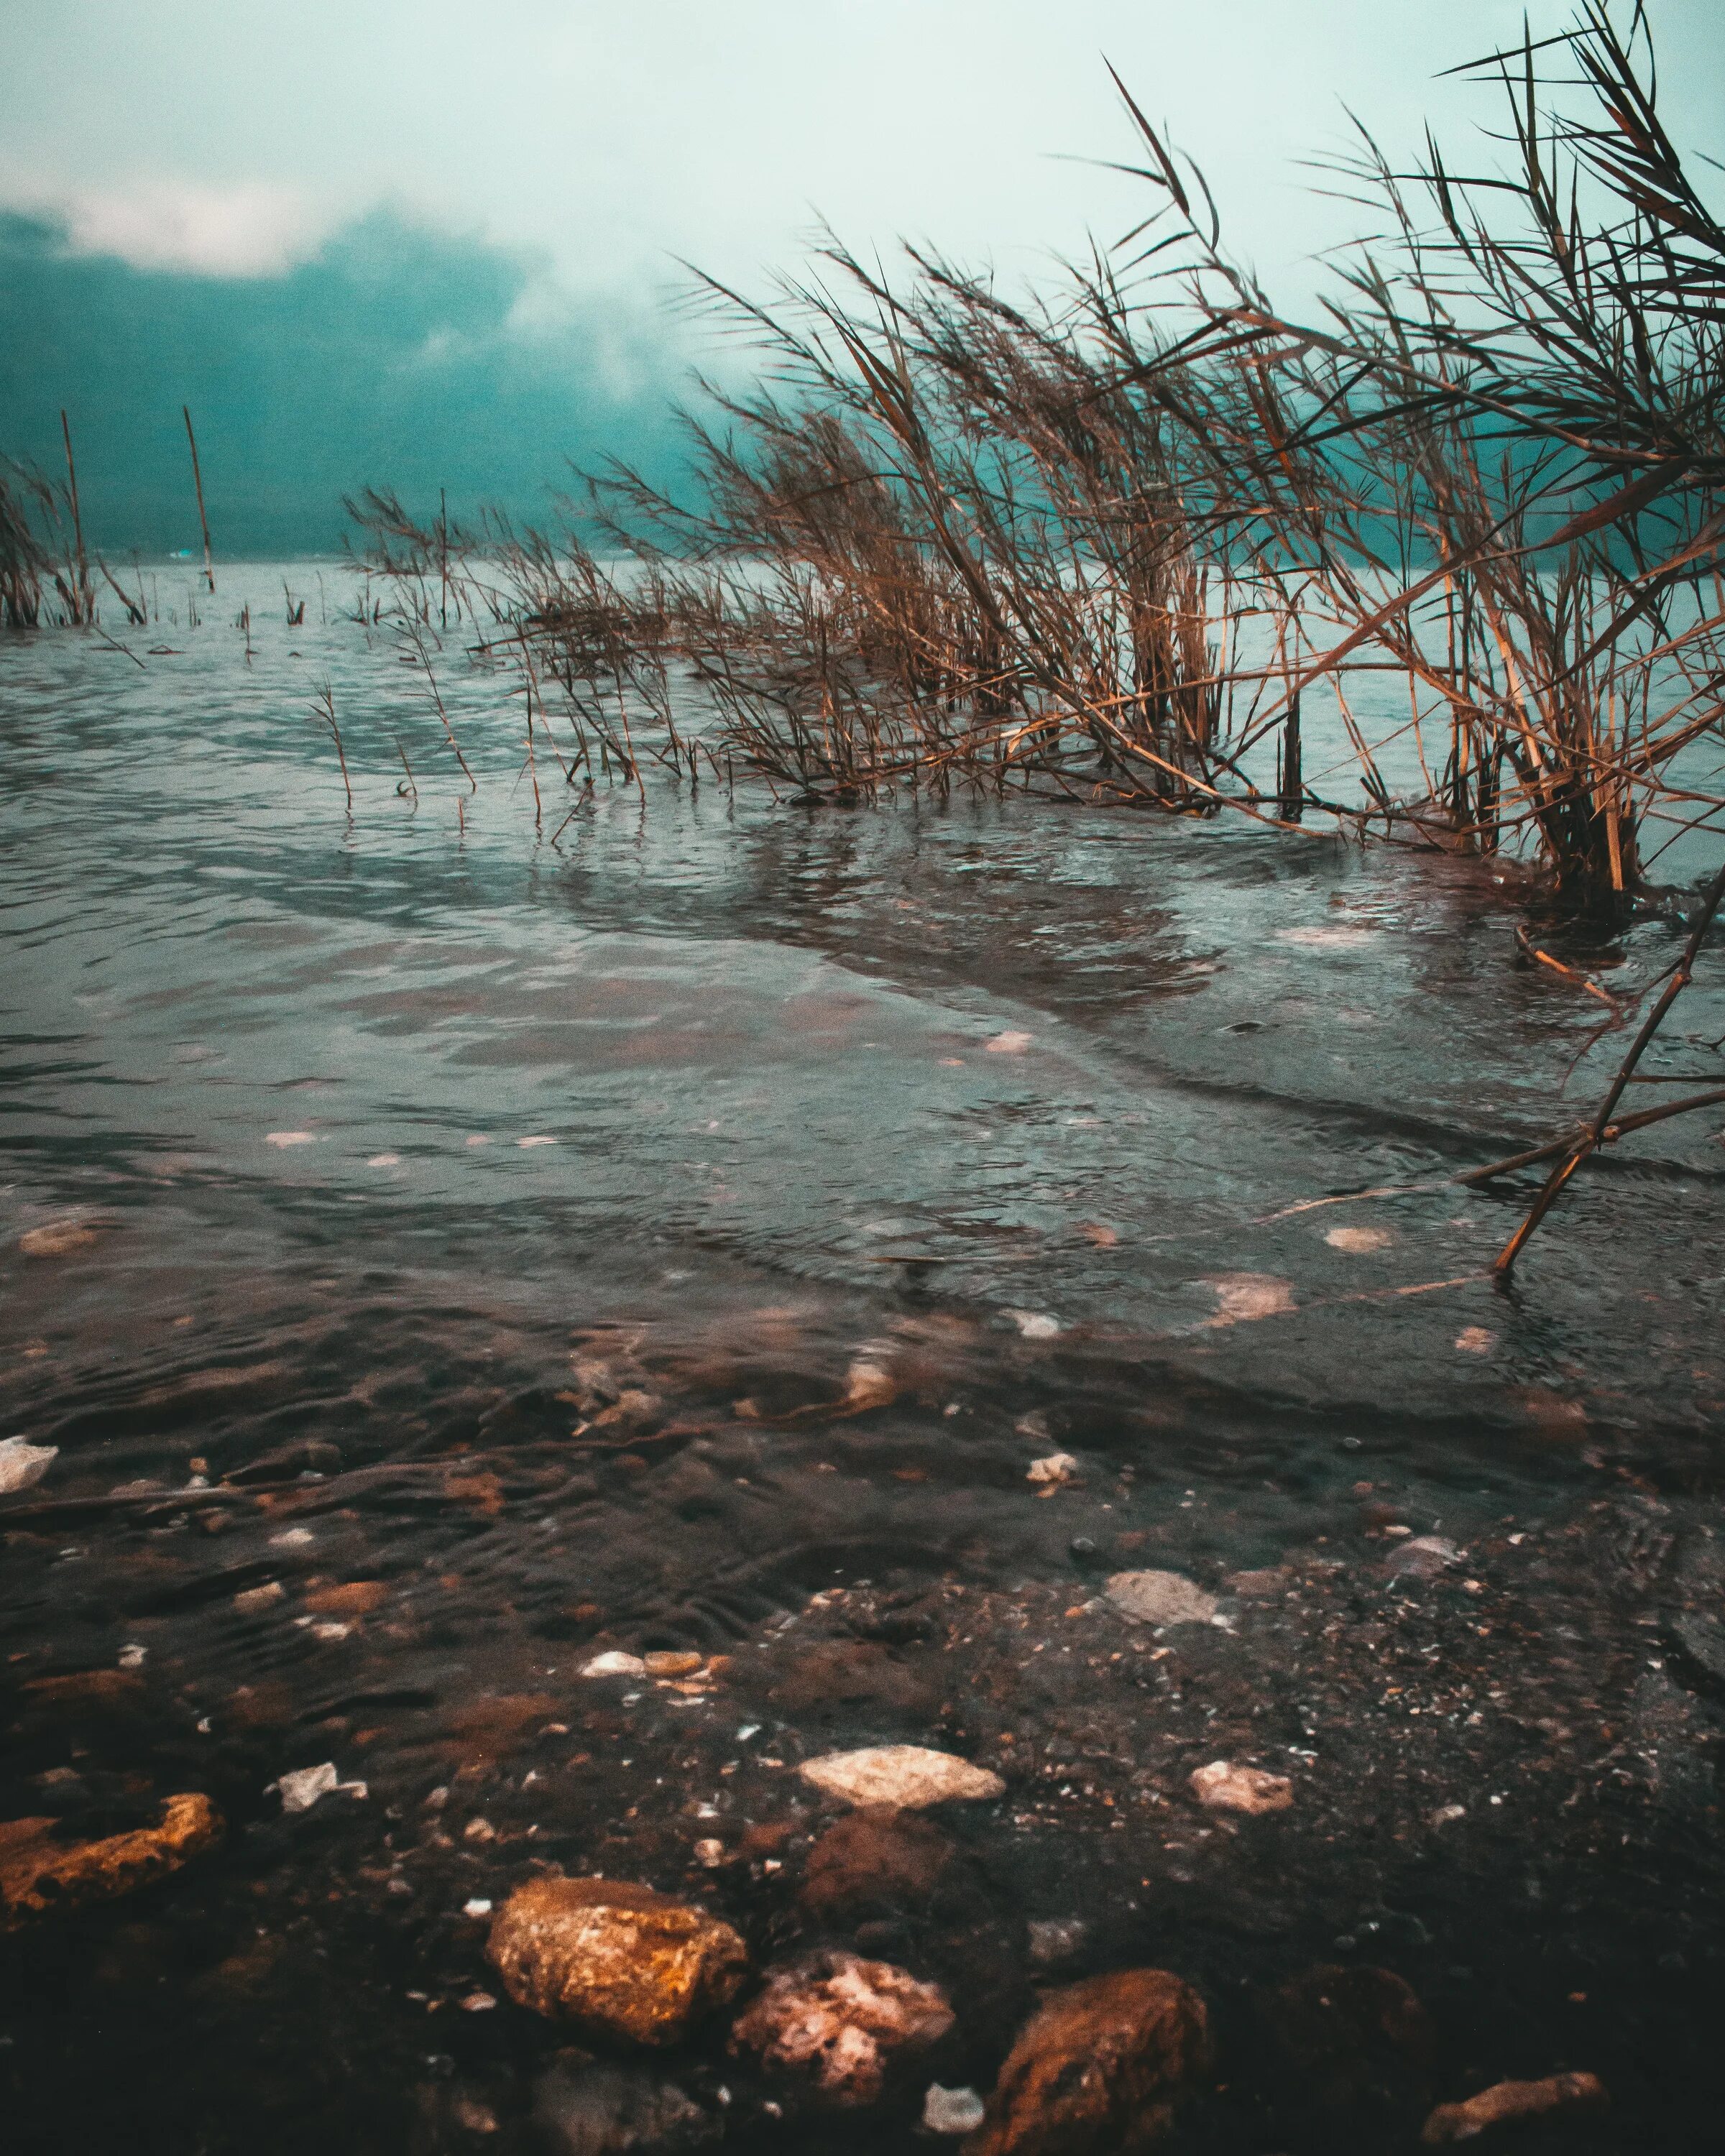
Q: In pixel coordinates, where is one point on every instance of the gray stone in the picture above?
(952, 2111)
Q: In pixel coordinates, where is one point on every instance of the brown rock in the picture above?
(617, 1959)
(1230, 1788)
(1511, 2100)
(1097, 2070)
(38, 1873)
(841, 2023)
(1348, 2034)
(346, 1597)
(877, 1858)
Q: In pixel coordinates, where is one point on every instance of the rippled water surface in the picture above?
(514, 1236)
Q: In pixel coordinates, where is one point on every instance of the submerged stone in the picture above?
(614, 1958)
(1228, 1788)
(952, 2110)
(905, 1777)
(39, 1874)
(1098, 2069)
(582, 2108)
(839, 2024)
(59, 1238)
(1160, 1598)
(23, 1464)
(1506, 2102)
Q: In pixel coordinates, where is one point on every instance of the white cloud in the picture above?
(251, 230)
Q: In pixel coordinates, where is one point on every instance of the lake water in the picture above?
(512, 1250)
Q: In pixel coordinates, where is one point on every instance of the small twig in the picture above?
(1602, 1129)
(1584, 982)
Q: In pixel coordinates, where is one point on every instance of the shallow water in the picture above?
(616, 1241)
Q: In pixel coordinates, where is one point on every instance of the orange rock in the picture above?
(1510, 2100)
(346, 1597)
(617, 1959)
(671, 1664)
(1098, 2069)
(39, 1874)
(484, 1491)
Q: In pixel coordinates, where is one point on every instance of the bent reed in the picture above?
(1106, 542)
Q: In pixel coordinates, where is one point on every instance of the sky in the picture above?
(424, 242)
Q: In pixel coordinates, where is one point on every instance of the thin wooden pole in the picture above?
(210, 574)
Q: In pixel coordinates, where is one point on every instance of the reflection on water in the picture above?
(432, 1250)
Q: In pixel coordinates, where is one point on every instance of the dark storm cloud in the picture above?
(398, 354)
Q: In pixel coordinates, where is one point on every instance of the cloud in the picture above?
(394, 353)
(249, 231)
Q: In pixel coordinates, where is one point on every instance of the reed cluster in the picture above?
(1108, 541)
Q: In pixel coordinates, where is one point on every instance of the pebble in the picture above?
(952, 2110)
(615, 1664)
(1057, 1468)
(251, 1601)
(839, 2023)
(906, 1777)
(614, 1958)
(302, 1788)
(1097, 2069)
(1423, 1556)
(1507, 2101)
(59, 1238)
(1160, 1598)
(1230, 1788)
(39, 1874)
(1055, 1939)
(669, 1665)
(1359, 1242)
(23, 1464)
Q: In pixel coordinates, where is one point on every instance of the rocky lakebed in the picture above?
(1409, 1835)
